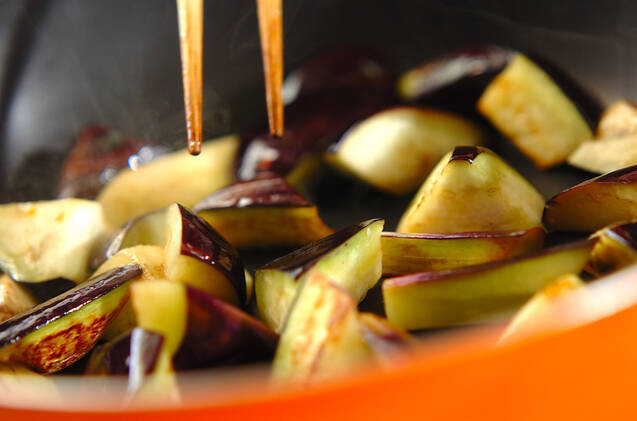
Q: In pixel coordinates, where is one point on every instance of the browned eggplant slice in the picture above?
(528, 107)
(351, 257)
(322, 335)
(58, 332)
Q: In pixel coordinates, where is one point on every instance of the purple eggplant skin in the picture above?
(17, 327)
(334, 91)
(201, 241)
(347, 66)
(96, 151)
(303, 259)
(456, 81)
(134, 351)
(217, 333)
(465, 153)
(625, 175)
(266, 190)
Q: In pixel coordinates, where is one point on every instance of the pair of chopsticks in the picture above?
(190, 14)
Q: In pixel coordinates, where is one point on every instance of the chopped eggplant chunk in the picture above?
(321, 335)
(608, 199)
(528, 107)
(473, 189)
(477, 293)
(177, 177)
(58, 332)
(41, 241)
(350, 257)
(200, 330)
(410, 253)
(395, 149)
(265, 211)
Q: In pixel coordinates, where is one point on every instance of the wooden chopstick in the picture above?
(191, 40)
(271, 30)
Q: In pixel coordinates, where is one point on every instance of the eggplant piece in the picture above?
(605, 155)
(176, 177)
(151, 261)
(95, 154)
(608, 199)
(313, 124)
(40, 241)
(133, 353)
(140, 355)
(454, 81)
(338, 68)
(322, 335)
(541, 314)
(13, 298)
(410, 253)
(477, 293)
(334, 91)
(195, 254)
(618, 120)
(200, 330)
(473, 189)
(149, 258)
(615, 145)
(265, 211)
(58, 332)
(615, 249)
(351, 257)
(528, 107)
(395, 149)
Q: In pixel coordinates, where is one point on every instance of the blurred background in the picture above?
(65, 64)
